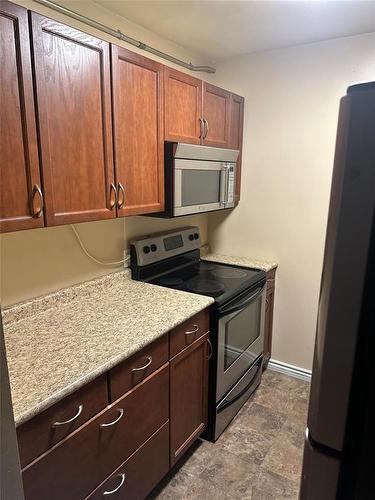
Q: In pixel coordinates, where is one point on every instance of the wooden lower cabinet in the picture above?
(186, 334)
(125, 449)
(138, 475)
(268, 320)
(39, 434)
(133, 370)
(74, 467)
(188, 394)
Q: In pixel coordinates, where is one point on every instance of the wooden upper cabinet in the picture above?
(138, 132)
(183, 107)
(20, 194)
(72, 72)
(236, 134)
(216, 114)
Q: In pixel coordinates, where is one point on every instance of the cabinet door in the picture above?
(216, 113)
(74, 104)
(21, 205)
(189, 392)
(183, 107)
(138, 132)
(236, 134)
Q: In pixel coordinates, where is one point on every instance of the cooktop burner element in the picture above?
(227, 273)
(171, 281)
(205, 266)
(206, 287)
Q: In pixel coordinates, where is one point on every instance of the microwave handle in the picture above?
(224, 185)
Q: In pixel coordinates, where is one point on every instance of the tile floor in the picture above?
(258, 457)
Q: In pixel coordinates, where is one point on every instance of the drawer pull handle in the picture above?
(118, 487)
(121, 413)
(194, 330)
(79, 411)
(149, 361)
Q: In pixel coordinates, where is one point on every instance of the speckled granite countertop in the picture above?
(58, 343)
(240, 261)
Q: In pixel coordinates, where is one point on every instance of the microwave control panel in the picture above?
(231, 181)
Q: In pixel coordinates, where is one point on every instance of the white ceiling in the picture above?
(222, 29)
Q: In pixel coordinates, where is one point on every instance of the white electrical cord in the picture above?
(117, 263)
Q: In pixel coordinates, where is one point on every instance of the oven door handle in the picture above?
(229, 402)
(242, 304)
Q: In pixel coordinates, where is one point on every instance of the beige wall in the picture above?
(292, 99)
(43, 260)
(39, 261)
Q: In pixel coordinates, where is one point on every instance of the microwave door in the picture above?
(197, 186)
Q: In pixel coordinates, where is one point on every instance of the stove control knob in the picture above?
(191, 237)
(146, 249)
(153, 248)
(196, 236)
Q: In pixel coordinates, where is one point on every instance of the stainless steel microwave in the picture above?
(198, 179)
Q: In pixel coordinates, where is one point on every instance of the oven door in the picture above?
(202, 186)
(240, 337)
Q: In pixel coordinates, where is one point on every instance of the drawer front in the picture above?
(43, 431)
(136, 477)
(185, 334)
(135, 369)
(77, 465)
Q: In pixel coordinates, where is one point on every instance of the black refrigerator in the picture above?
(339, 446)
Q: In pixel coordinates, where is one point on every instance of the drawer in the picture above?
(42, 432)
(139, 366)
(185, 334)
(136, 477)
(77, 465)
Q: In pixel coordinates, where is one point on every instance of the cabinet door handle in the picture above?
(210, 349)
(79, 411)
(112, 200)
(206, 127)
(122, 481)
(121, 190)
(121, 413)
(201, 125)
(194, 330)
(37, 212)
(267, 304)
(149, 361)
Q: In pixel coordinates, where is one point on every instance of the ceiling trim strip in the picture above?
(125, 38)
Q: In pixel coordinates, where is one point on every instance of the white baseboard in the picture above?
(291, 370)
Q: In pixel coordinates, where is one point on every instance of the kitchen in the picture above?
(125, 170)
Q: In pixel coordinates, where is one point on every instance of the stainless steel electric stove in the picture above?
(172, 259)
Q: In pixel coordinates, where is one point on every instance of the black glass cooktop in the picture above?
(220, 281)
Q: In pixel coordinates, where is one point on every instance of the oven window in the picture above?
(241, 331)
(200, 187)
